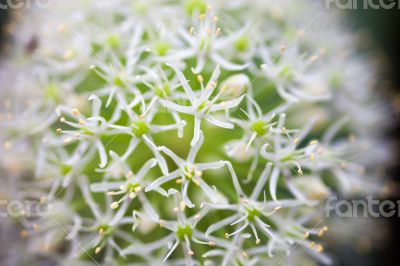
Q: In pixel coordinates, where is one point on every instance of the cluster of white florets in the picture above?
(187, 133)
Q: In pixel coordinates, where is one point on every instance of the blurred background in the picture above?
(383, 28)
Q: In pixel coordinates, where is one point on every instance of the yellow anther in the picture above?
(182, 206)
(161, 223)
(212, 244)
(68, 55)
(114, 205)
(300, 172)
(200, 78)
(24, 233)
(215, 19)
(75, 112)
(129, 175)
(7, 145)
(199, 173)
(314, 58)
(320, 248)
(62, 119)
(97, 250)
(258, 241)
(81, 122)
(61, 28)
(296, 140)
(212, 85)
(58, 130)
(67, 140)
(312, 157)
(202, 16)
(306, 234)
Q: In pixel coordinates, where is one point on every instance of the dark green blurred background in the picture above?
(384, 27)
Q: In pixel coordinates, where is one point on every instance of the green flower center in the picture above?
(193, 6)
(162, 48)
(287, 73)
(65, 169)
(260, 127)
(184, 231)
(163, 92)
(118, 81)
(132, 187)
(242, 44)
(140, 128)
(252, 214)
(51, 93)
(113, 41)
(104, 229)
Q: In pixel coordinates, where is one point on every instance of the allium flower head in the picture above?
(186, 132)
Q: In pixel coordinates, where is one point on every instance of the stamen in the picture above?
(114, 205)
(75, 112)
(97, 250)
(67, 140)
(129, 175)
(182, 206)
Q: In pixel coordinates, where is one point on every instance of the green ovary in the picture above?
(260, 127)
(140, 128)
